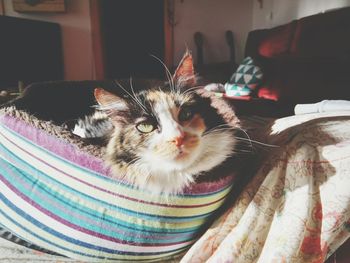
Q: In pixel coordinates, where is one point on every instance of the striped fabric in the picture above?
(62, 199)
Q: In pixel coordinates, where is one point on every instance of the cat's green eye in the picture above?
(185, 114)
(145, 127)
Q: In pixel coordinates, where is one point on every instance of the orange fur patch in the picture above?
(197, 122)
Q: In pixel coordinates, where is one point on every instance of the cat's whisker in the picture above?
(168, 74)
(216, 129)
(137, 97)
(131, 96)
(124, 89)
(246, 134)
(153, 110)
(250, 140)
(222, 125)
(219, 128)
(184, 97)
(132, 90)
(257, 142)
(190, 90)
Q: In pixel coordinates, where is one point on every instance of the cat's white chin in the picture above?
(179, 161)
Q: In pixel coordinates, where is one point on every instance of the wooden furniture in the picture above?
(30, 51)
(215, 72)
(51, 6)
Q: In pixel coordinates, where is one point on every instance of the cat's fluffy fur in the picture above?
(154, 162)
(93, 126)
(184, 137)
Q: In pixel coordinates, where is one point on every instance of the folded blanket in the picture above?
(323, 106)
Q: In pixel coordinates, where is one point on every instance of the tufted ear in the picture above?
(116, 107)
(109, 101)
(184, 74)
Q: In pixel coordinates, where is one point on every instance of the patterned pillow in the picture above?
(247, 77)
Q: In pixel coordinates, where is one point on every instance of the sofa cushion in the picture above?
(306, 80)
(323, 35)
(246, 78)
(316, 65)
(277, 41)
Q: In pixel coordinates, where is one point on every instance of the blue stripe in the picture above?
(39, 237)
(113, 220)
(98, 201)
(97, 229)
(95, 214)
(103, 203)
(69, 239)
(65, 248)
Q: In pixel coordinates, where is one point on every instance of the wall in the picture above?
(76, 36)
(1, 7)
(212, 18)
(278, 12)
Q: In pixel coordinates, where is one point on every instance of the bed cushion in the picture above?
(60, 196)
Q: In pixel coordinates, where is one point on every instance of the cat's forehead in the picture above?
(155, 102)
(170, 99)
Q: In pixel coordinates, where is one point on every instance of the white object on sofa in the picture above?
(323, 106)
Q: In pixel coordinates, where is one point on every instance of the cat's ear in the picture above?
(109, 101)
(184, 74)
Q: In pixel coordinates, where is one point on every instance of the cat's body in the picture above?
(163, 138)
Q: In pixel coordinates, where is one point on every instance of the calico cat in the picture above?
(162, 139)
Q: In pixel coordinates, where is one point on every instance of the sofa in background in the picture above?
(304, 61)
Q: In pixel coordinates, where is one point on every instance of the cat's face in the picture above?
(168, 135)
(161, 139)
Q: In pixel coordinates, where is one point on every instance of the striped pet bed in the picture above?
(63, 199)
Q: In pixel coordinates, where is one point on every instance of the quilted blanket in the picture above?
(296, 208)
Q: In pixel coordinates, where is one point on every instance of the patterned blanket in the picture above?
(296, 208)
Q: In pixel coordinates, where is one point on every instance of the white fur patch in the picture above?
(94, 126)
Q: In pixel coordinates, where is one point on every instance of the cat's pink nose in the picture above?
(179, 140)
